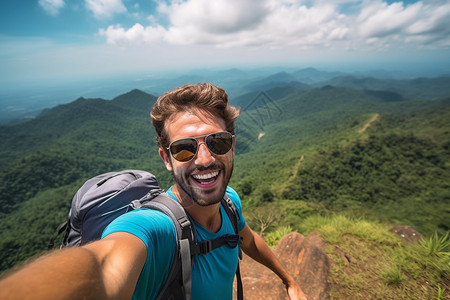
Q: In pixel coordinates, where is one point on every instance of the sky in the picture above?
(62, 41)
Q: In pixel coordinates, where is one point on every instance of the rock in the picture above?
(407, 233)
(305, 260)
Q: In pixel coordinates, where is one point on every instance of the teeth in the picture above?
(205, 176)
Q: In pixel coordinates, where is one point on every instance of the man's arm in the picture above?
(105, 269)
(254, 246)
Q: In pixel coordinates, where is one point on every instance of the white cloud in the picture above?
(52, 7)
(217, 17)
(421, 23)
(299, 23)
(380, 19)
(433, 28)
(104, 9)
(136, 34)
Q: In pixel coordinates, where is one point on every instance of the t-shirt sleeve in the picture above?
(146, 224)
(237, 202)
(157, 232)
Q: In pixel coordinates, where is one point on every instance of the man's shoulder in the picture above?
(147, 214)
(142, 222)
(233, 195)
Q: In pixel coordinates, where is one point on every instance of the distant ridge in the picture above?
(419, 88)
(275, 80)
(312, 75)
(135, 99)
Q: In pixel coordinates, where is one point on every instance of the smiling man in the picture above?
(195, 132)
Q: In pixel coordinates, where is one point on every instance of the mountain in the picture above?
(25, 104)
(275, 93)
(312, 75)
(351, 152)
(135, 99)
(72, 141)
(274, 80)
(300, 152)
(53, 125)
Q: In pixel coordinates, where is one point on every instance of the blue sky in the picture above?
(54, 41)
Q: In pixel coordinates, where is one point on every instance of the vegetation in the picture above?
(346, 163)
(47, 159)
(368, 262)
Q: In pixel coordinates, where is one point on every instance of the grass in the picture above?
(273, 237)
(393, 276)
(441, 292)
(369, 262)
(437, 246)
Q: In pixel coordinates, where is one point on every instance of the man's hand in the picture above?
(255, 247)
(294, 291)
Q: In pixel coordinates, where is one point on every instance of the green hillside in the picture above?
(321, 150)
(300, 154)
(75, 141)
(369, 262)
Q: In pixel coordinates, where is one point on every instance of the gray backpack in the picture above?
(103, 198)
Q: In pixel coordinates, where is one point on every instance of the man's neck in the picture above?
(207, 216)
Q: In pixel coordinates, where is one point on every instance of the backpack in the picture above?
(103, 198)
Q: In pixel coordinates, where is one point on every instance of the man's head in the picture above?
(203, 96)
(197, 122)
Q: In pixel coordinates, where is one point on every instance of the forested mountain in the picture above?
(71, 142)
(351, 151)
(300, 151)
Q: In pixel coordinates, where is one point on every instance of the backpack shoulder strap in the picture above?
(232, 213)
(180, 274)
(164, 203)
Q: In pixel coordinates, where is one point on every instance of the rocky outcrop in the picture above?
(303, 257)
(407, 234)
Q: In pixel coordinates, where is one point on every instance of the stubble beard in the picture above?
(182, 181)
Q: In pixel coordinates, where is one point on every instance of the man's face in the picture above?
(205, 177)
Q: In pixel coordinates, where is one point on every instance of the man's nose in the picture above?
(204, 156)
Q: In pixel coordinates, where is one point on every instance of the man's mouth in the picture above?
(206, 178)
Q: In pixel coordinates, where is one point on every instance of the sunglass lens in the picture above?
(183, 150)
(219, 143)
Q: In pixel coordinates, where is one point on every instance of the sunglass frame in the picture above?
(195, 138)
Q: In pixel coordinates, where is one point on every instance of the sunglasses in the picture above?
(185, 149)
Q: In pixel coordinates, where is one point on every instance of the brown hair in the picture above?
(204, 96)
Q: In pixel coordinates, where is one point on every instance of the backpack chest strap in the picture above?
(204, 247)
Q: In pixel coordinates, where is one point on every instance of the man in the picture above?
(195, 132)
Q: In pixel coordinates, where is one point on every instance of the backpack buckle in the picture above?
(232, 240)
(184, 222)
(202, 248)
(205, 247)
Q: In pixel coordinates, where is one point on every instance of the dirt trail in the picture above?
(373, 119)
(294, 174)
(297, 165)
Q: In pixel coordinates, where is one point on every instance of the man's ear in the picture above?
(166, 159)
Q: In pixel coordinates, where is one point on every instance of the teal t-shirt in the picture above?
(212, 274)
